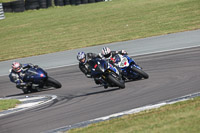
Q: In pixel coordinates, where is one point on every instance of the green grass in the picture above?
(182, 117)
(10, 103)
(63, 28)
(4, 1)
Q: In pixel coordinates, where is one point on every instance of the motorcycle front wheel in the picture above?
(53, 83)
(140, 72)
(118, 83)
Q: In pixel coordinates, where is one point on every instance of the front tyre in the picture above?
(116, 82)
(140, 72)
(53, 83)
(25, 90)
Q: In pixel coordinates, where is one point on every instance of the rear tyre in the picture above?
(113, 80)
(54, 83)
(140, 72)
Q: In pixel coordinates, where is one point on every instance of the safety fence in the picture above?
(1, 12)
(22, 5)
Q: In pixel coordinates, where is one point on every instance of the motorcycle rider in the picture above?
(107, 54)
(17, 73)
(84, 64)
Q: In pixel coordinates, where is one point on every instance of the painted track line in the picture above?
(28, 102)
(132, 111)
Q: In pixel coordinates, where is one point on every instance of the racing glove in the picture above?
(88, 75)
(124, 52)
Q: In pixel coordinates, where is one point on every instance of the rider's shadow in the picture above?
(22, 94)
(97, 92)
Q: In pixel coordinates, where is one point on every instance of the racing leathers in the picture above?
(85, 67)
(113, 53)
(17, 77)
(111, 60)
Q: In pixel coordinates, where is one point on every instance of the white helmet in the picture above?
(106, 52)
(16, 66)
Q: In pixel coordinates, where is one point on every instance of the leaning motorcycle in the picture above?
(107, 74)
(130, 70)
(36, 79)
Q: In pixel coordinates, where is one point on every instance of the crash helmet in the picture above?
(81, 56)
(16, 67)
(106, 52)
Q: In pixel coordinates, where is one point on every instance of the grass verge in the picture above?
(7, 104)
(4, 1)
(182, 117)
(55, 29)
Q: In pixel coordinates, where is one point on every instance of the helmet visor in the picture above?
(82, 60)
(107, 55)
(18, 69)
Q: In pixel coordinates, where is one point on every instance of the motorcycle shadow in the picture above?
(41, 90)
(97, 92)
(133, 80)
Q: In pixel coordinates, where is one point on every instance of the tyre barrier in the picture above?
(91, 1)
(49, 3)
(84, 1)
(59, 2)
(66, 2)
(18, 6)
(22, 5)
(43, 3)
(75, 2)
(32, 4)
(1, 12)
(7, 7)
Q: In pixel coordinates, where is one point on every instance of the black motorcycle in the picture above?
(107, 74)
(36, 79)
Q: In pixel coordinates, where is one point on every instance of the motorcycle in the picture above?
(36, 79)
(106, 73)
(130, 70)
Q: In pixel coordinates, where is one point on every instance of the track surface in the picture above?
(172, 74)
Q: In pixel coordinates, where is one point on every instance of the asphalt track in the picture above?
(172, 74)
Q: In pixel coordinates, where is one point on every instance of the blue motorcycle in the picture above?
(36, 79)
(107, 74)
(130, 70)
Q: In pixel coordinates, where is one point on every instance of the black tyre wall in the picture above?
(91, 1)
(18, 6)
(98, 0)
(66, 2)
(32, 4)
(7, 7)
(59, 2)
(78, 2)
(43, 3)
(73, 2)
(84, 1)
(49, 3)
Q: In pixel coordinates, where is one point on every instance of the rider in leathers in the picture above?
(83, 62)
(17, 73)
(106, 54)
(109, 55)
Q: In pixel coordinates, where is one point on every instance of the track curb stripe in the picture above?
(136, 110)
(28, 102)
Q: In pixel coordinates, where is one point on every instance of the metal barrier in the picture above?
(1, 12)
